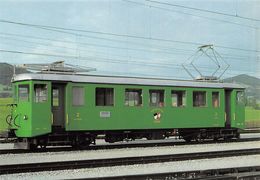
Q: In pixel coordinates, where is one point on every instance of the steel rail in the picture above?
(93, 163)
(234, 173)
(125, 145)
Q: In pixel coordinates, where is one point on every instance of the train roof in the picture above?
(124, 80)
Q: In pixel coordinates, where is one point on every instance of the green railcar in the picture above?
(63, 109)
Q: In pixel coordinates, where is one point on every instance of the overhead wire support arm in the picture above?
(227, 65)
(210, 47)
(187, 71)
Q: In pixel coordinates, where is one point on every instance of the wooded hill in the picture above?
(6, 73)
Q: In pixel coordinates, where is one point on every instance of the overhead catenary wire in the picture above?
(174, 51)
(190, 14)
(205, 10)
(157, 65)
(55, 28)
(141, 62)
(103, 46)
(162, 63)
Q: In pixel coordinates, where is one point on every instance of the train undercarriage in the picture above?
(80, 139)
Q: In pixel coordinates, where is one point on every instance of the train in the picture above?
(58, 109)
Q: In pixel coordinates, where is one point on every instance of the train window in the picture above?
(215, 99)
(55, 97)
(199, 98)
(240, 97)
(104, 96)
(78, 96)
(40, 91)
(178, 98)
(133, 97)
(156, 98)
(23, 92)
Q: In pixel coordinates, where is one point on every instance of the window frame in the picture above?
(184, 100)
(243, 100)
(58, 97)
(28, 93)
(126, 101)
(206, 99)
(35, 96)
(159, 91)
(105, 100)
(218, 105)
(72, 97)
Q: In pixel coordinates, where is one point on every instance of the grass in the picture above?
(252, 117)
(252, 114)
(4, 111)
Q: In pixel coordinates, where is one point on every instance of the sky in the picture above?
(153, 38)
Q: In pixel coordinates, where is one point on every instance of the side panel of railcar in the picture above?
(88, 116)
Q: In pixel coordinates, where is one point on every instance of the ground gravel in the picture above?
(190, 165)
(126, 152)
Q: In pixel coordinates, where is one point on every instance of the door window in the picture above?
(40, 91)
(55, 97)
(240, 97)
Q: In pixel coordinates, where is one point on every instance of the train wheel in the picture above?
(215, 138)
(238, 135)
(33, 146)
(187, 138)
(81, 142)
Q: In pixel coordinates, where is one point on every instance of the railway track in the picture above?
(234, 173)
(108, 162)
(124, 145)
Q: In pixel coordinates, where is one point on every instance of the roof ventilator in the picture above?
(58, 67)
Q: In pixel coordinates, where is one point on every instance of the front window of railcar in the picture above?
(23, 92)
(15, 92)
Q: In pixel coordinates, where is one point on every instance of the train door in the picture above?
(58, 105)
(228, 108)
(239, 115)
(41, 109)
